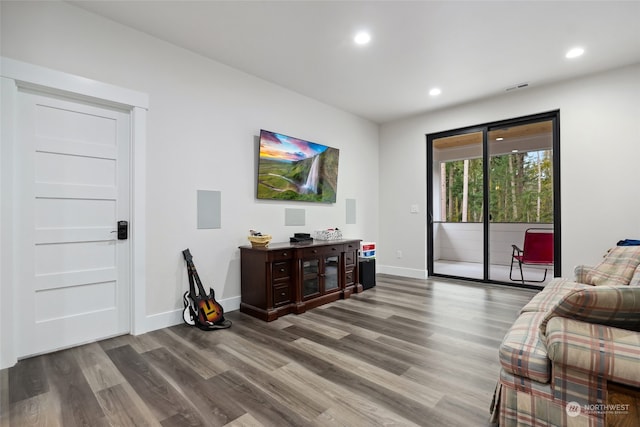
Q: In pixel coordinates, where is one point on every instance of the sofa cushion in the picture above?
(597, 350)
(522, 353)
(616, 268)
(617, 306)
(551, 294)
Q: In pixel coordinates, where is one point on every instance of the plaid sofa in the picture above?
(568, 343)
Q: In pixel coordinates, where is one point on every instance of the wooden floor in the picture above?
(403, 353)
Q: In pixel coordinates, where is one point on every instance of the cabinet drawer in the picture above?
(281, 269)
(311, 252)
(350, 258)
(281, 294)
(280, 255)
(322, 250)
(349, 278)
(334, 250)
(351, 247)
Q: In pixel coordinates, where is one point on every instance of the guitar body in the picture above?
(189, 313)
(201, 309)
(209, 311)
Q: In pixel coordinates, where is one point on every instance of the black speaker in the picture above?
(367, 272)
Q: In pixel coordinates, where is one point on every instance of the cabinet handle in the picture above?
(333, 249)
(282, 270)
(283, 294)
(315, 251)
(284, 254)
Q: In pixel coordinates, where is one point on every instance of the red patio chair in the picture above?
(538, 251)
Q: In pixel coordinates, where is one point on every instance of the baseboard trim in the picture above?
(402, 272)
(174, 317)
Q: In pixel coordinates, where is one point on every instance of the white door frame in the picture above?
(15, 75)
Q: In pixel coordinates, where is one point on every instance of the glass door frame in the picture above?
(554, 117)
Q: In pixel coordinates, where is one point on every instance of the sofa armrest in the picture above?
(635, 279)
(615, 306)
(580, 273)
(602, 351)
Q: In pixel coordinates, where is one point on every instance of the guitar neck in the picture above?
(197, 278)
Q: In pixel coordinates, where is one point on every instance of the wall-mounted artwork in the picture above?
(294, 169)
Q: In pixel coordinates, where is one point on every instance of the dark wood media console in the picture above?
(288, 278)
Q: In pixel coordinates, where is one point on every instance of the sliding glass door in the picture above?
(488, 185)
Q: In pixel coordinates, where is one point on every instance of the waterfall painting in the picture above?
(294, 169)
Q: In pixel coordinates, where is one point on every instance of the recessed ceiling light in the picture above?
(514, 151)
(362, 38)
(499, 139)
(435, 91)
(574, 53)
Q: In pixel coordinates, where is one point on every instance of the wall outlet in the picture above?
(398, 254)
(414, 209)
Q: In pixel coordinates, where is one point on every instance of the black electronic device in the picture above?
(123, 230)
(367, 272)
(301, 239)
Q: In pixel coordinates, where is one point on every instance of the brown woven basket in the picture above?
(260, 241)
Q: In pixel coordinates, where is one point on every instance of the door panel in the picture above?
(73, 256)
(61, 302)
(74, 183)
(457, 188)
(66, 279)
(62, 168)
(65, 213)
(521, 195)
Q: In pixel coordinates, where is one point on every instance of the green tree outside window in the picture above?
(520, 186)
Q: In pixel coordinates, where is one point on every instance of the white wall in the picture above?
(204, 116)
(203, 121)
(600, 150)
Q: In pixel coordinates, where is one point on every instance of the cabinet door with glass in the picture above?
(331, 264)
(310, 278)
(321, 271)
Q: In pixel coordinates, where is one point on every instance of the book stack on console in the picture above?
(301, 237)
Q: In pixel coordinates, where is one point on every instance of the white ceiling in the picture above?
(469, 49)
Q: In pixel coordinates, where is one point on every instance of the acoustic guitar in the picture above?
(202, 305)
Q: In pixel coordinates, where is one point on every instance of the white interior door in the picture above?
(73, 187)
